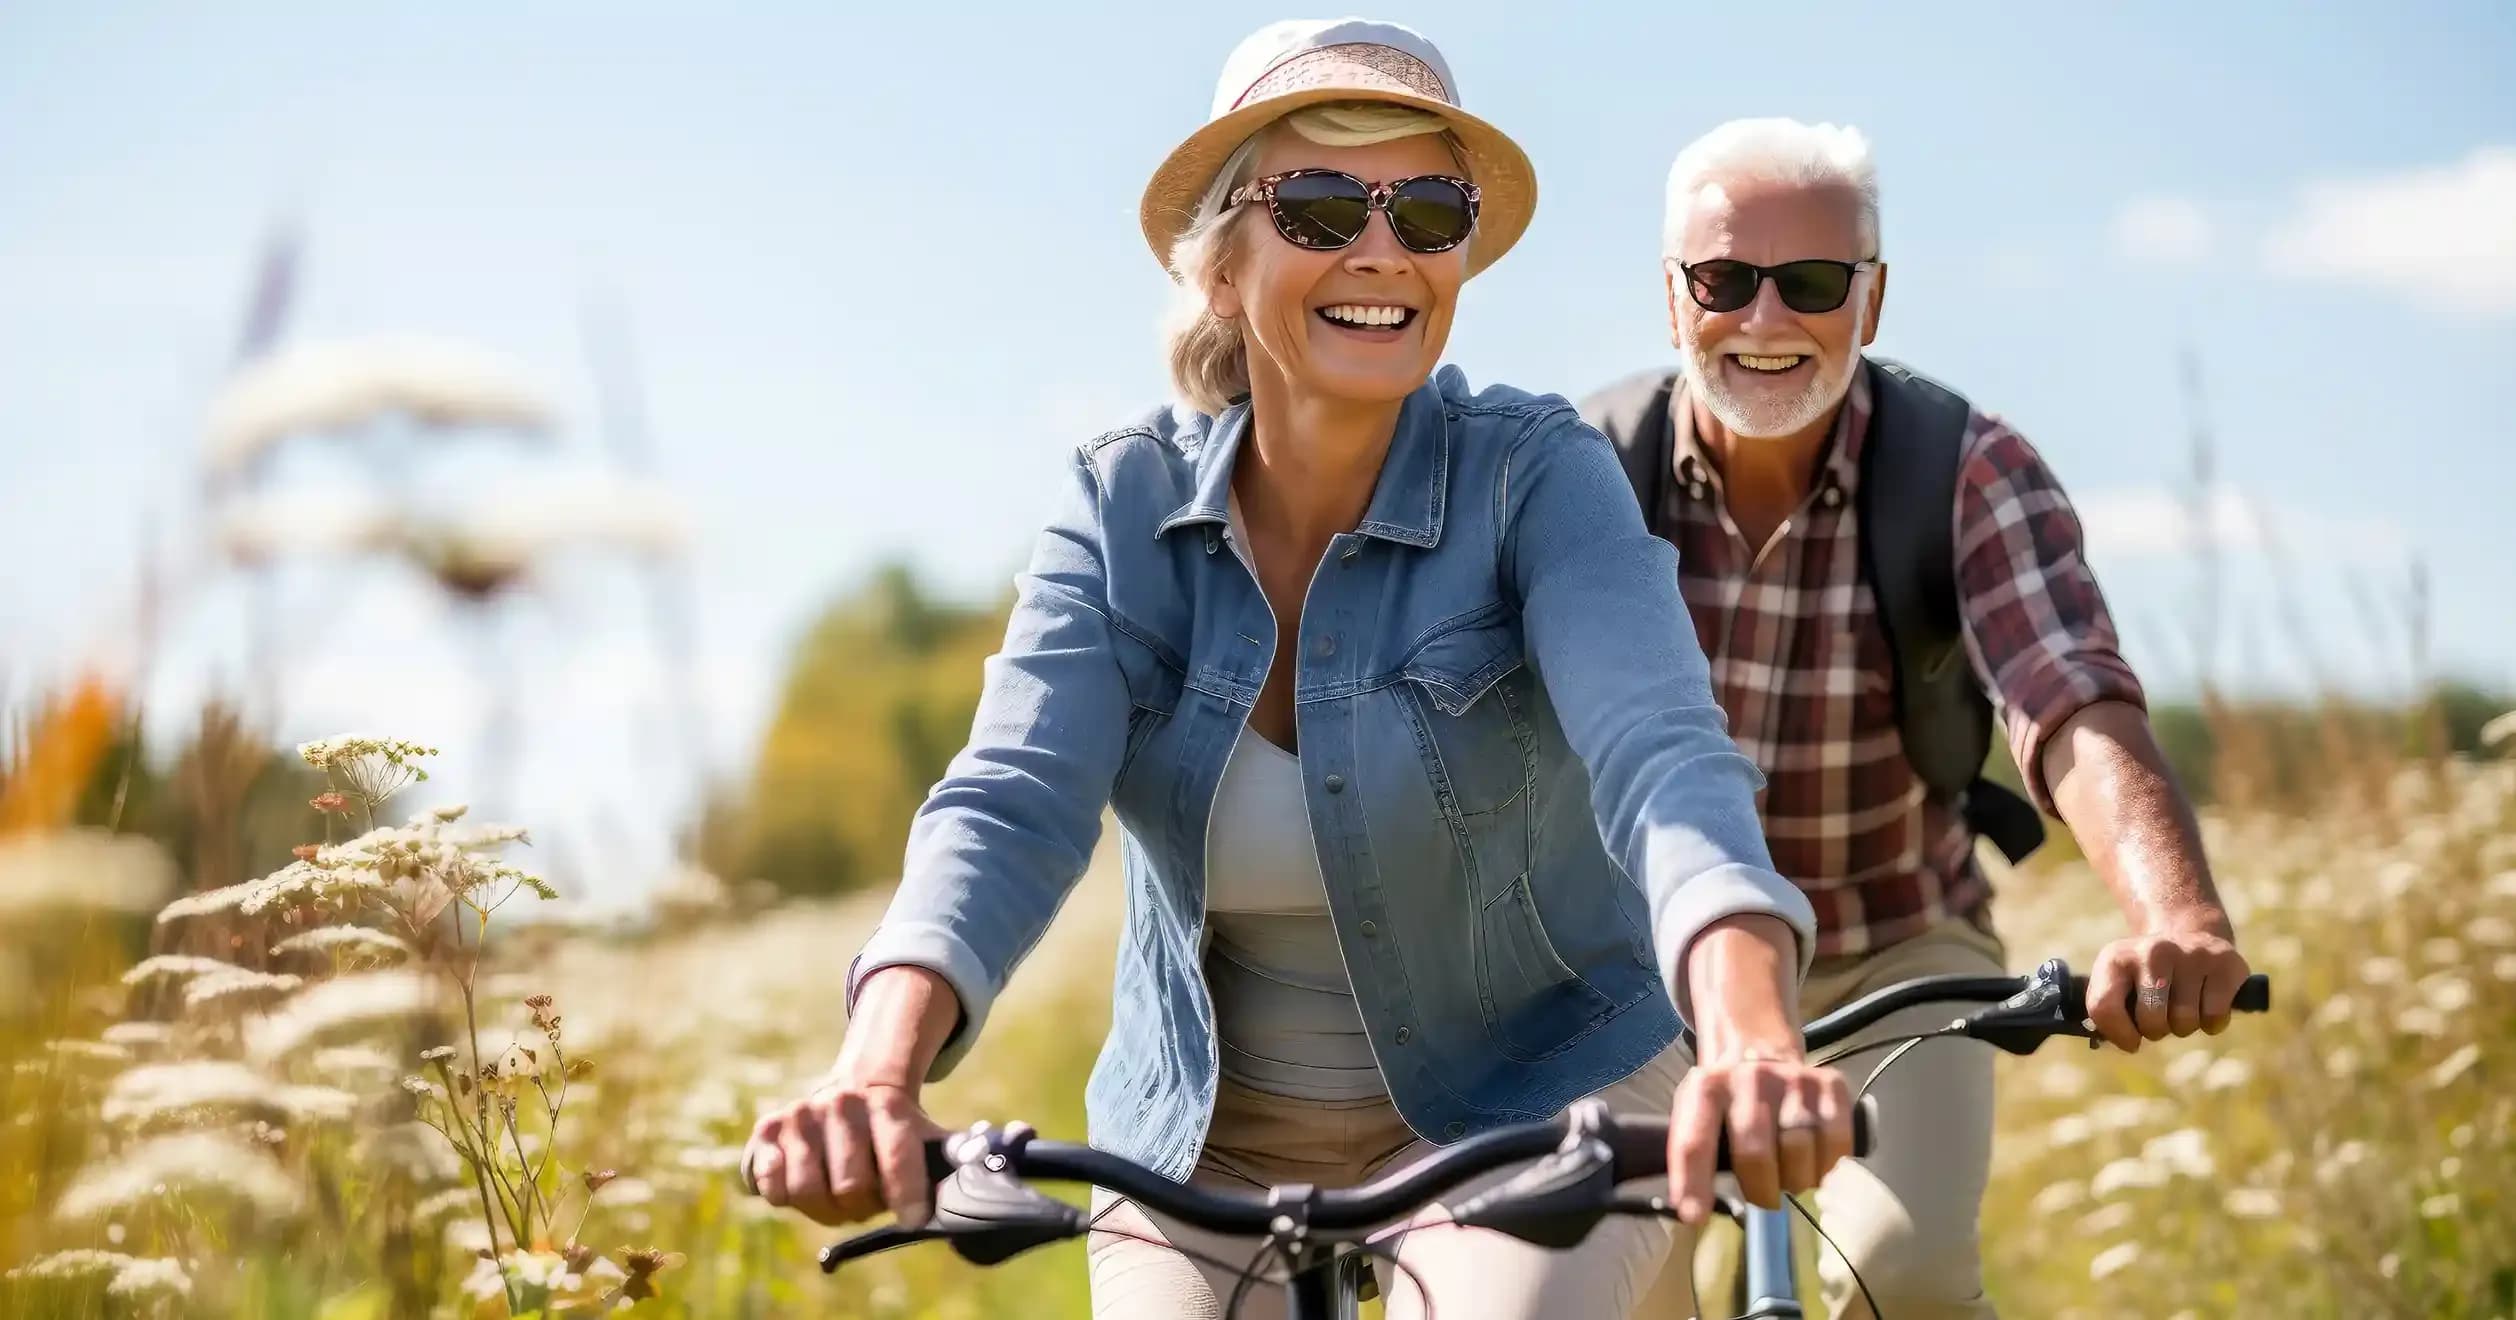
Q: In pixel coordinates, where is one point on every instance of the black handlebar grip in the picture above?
(2255, 995)
(1642, 1145)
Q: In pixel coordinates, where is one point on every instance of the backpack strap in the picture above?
(1907, 503)
(1634, 415)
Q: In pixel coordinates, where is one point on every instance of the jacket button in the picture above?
(1456, 1128)
(1405, 1034)
(1370, 929)
(1325, 647)
(1335, 783)
(1833, 495)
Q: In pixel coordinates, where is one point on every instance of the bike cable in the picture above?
(1840, 1253)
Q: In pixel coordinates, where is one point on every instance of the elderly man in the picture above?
(1876, 568)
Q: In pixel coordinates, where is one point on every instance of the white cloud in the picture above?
(2172, 230)
(2152, 522)
(2443, 236)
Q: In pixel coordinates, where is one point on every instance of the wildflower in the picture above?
(2188, 1067)
(580, 1068)
(2059, 1197)
(376, 768)
(2253, 1203)
(90, 1052)
(344, 1003)
(306, 852)
(140, 1037)
(543, 1017)
(2114, 1260)
(176, 967)
(2446, 992)
(363, 944)
(2227, 1074)
(192, 1164)
(2445, 1205)
(2333, 1012)
(2461, 1137)
(325, 883)
(2342, 1063)
(437, 1053)
(130, 1278)
(2381, 970)
(452, 1201)
(2442, 951)
(161, 1093)
(2450, 1168)
(330, 803)
(2186, 1152)
(2390, 1264)
(2453, 1067)
(643, 1266)
(2421, 1020)
(2503, 967)
(234, 985)
(2115, 1113)
(2128, 1172)
(2492, 929)
(449, 813)
(597, 1179)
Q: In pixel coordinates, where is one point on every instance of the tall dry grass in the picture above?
(227, 1112)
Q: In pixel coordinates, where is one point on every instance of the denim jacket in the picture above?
(1504, 720)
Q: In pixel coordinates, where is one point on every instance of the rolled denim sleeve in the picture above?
(1002, 839)
(1608, 632)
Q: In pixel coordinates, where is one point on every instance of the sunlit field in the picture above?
(384, 1081)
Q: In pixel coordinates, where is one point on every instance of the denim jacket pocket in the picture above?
(1464, 694)
(1535, 1004)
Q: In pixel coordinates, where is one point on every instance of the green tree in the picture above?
(878, 697)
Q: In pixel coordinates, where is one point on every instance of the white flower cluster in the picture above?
(193, 1164)
(130, 1278)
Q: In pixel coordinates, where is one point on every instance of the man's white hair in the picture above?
(1774, 151)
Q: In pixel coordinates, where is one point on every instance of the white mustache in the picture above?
(1734, 346)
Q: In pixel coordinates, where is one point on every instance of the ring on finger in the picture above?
(2153, 996)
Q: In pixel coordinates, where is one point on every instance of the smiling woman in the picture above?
(1208, 359)
(1432, 823)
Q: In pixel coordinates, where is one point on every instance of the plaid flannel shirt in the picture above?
(1802, 665)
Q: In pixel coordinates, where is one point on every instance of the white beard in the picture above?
(1769, 416)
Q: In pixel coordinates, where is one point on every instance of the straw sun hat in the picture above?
(1285, 66)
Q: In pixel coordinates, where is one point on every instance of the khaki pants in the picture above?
(1906, 1214)
(1145, 1266)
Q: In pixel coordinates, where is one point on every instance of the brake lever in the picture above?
(1558, 1199)
(982, 1207)
(2037, 1013)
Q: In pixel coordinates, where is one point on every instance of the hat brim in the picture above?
(1506, 183)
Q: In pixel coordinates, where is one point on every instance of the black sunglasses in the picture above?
(1810, 285)
(1324, 210)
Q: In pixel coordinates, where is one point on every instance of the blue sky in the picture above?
(882, 268)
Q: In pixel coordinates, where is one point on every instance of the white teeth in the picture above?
(1357, 314)
(1754, 362)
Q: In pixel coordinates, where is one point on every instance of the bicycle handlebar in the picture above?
(983, 1207)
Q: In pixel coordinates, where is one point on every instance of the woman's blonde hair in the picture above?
(1209, 361)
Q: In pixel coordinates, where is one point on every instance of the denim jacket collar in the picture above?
(1407, 502)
